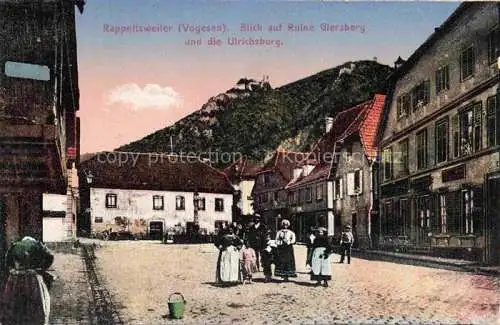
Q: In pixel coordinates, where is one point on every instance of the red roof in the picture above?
(150, 171)
(367, 125)
(242, 168)
(285, 162)
(363, 119)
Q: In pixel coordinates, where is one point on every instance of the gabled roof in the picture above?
(150, 171)
(284, 162)
(362, 119)
(366, 125)
(243, 168)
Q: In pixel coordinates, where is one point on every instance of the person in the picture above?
(248, 260)
(285, 239)
(320, 258)
(346, 241)
(310, 242)
(25, 296)
(228, 262)
(268, 257)
(256, 237)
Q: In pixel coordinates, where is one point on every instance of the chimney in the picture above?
(329, 124)
(399, 62)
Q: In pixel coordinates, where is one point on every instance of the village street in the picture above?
(140, 276)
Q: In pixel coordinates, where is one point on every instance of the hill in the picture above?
(254, 119)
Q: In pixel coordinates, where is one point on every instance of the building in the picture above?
(269, 192)
(148, 194)
(39, 98)
(242, 174)
(333, 187)
(440, 142)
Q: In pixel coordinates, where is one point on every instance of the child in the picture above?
(268, 257)
(248, 260)
(346, 241)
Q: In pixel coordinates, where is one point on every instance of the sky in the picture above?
(142, 67)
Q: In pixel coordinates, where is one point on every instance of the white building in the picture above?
(150, 193)
(242, 174)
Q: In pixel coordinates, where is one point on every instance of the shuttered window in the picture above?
(403, 148)
(422, 149)
(453, 212)
(467, 63)
(491, 120)
(442, 79)
(478, 110)
(455, 131)
(441, 140)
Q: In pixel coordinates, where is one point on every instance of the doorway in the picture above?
(492, 229)
(156, 230)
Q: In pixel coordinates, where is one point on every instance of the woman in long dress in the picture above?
(285, 239)
(25, 297)
(228, 263)
(320, 258)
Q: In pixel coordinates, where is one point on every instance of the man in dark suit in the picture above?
(256, 237)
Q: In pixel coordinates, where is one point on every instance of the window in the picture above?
(308, 194)
(98, 220)
(491, 121)
(302, 195)
(319, 192)
(219, 204)
(180, 203)
(158, 202)
(387, 162)
(337, 190)
(290, 198)
(276, 197)
(264, 198)
(422, 149)
(424, 208)
(354, 183)
(266, 179)
(478, 110)
(442, 79)
(420, 94)
(442, 213)
(467, 62)
(201, 204)
(493, 46)
(456, 135)
(442, 140)
(111, 200)
(403, 148)
(403, 105)
(466, 132)
(467, 206)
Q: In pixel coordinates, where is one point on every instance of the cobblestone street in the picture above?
(141, 275)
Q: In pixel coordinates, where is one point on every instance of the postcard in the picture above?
(249, 162)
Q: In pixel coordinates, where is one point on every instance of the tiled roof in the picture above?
(367, 125)
(149, 171)
(284, 162)
(242, 168)
(363, 119)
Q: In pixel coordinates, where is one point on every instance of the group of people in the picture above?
(242, 252)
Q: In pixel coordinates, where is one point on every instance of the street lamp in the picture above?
(88, 175)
